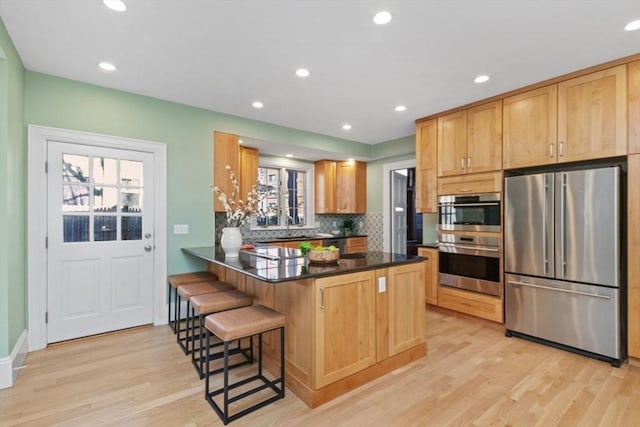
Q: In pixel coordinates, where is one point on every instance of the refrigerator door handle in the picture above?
(568, 291)
(562, 221)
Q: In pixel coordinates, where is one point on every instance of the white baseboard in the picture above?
(10, 366)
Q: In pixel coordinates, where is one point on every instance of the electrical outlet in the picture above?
(180, 228)
(382, 284)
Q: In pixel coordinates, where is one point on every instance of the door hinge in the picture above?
(46, 242)
(46, 317)
(46, 167)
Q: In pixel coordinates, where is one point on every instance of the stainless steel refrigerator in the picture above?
(563, 278)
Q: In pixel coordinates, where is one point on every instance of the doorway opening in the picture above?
(403, 228)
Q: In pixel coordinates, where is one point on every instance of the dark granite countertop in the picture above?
(306, 237)
(433, 245)
(276, 264)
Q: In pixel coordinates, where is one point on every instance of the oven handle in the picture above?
(473, 248)
(568, 291)
(469, 204)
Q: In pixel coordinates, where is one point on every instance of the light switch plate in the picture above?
(180, 228)
(382, 284)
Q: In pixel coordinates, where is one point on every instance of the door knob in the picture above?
(147, 248)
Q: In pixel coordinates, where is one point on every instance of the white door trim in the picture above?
(37, 220)
(386, 198)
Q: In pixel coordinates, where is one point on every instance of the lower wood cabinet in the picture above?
(473, 303)
(430, 274)
(345, 319)
(356, 244)
(406, 324)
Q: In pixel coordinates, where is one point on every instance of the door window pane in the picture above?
(130, 172)
(75, 228)
(104, 228)
(105, 170)
(131, 200)
(131, 228)
(105, 199)
(75, 198)
(75, 168)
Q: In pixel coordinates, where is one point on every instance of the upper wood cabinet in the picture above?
(633, 77)
(530, 128)
(345, 325)
(426, 166)
(340, 187)
(470, 140)
(243, 161)
(633, 247)
(249, 158)
(592, 115)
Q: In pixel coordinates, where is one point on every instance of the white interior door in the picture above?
(399, 211)
(100, 240)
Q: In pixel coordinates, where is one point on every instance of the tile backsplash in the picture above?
(369, 224)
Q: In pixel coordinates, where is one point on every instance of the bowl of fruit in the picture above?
(320, 254)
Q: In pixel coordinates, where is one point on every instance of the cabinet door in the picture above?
(530, 134)
(248, 170)
(484, 137)
(406, 307)
(592, 116)
(325, 186)
(452, 143)
(430, 274)
(345, 326)
(633, 247)
(633, 76)
(351, 187)
(426, 166)
(225, 153)
(356, 245)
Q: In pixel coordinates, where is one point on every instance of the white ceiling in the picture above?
(223, 55)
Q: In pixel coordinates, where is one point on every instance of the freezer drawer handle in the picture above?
(586, 294)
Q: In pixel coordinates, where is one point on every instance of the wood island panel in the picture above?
(406, 307)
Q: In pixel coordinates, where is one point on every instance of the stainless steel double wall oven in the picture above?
(469, 240)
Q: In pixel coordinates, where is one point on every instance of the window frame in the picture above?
(309, 201)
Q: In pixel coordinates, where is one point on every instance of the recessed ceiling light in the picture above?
(346, 126)
(481, 79)
(107, 66)
(350, 160)
(302, 72)
(382, 18)
(633, 25)
(288, 155)
(400, 108)
(117, 5)
(257, 104)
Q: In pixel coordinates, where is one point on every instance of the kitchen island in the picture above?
(346, 323)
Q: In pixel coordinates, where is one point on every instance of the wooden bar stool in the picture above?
(187, 292)
(203, 305)
(233, 325)
(177, 280)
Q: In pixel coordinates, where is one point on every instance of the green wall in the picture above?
(40, 99)
(187, 131)
(12, 196)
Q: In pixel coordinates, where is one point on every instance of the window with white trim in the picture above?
(288, 189)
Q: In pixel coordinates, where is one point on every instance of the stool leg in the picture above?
(225, 420)
(176, 310)
(259, 354)
(206, 384)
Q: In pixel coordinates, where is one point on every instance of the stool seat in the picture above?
(177, 280)
(243, 322)
(220, 301)
(191, 290)
(233, 325)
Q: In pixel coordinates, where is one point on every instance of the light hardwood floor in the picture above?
(472, 375)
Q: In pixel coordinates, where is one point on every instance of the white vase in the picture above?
(231, 241)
